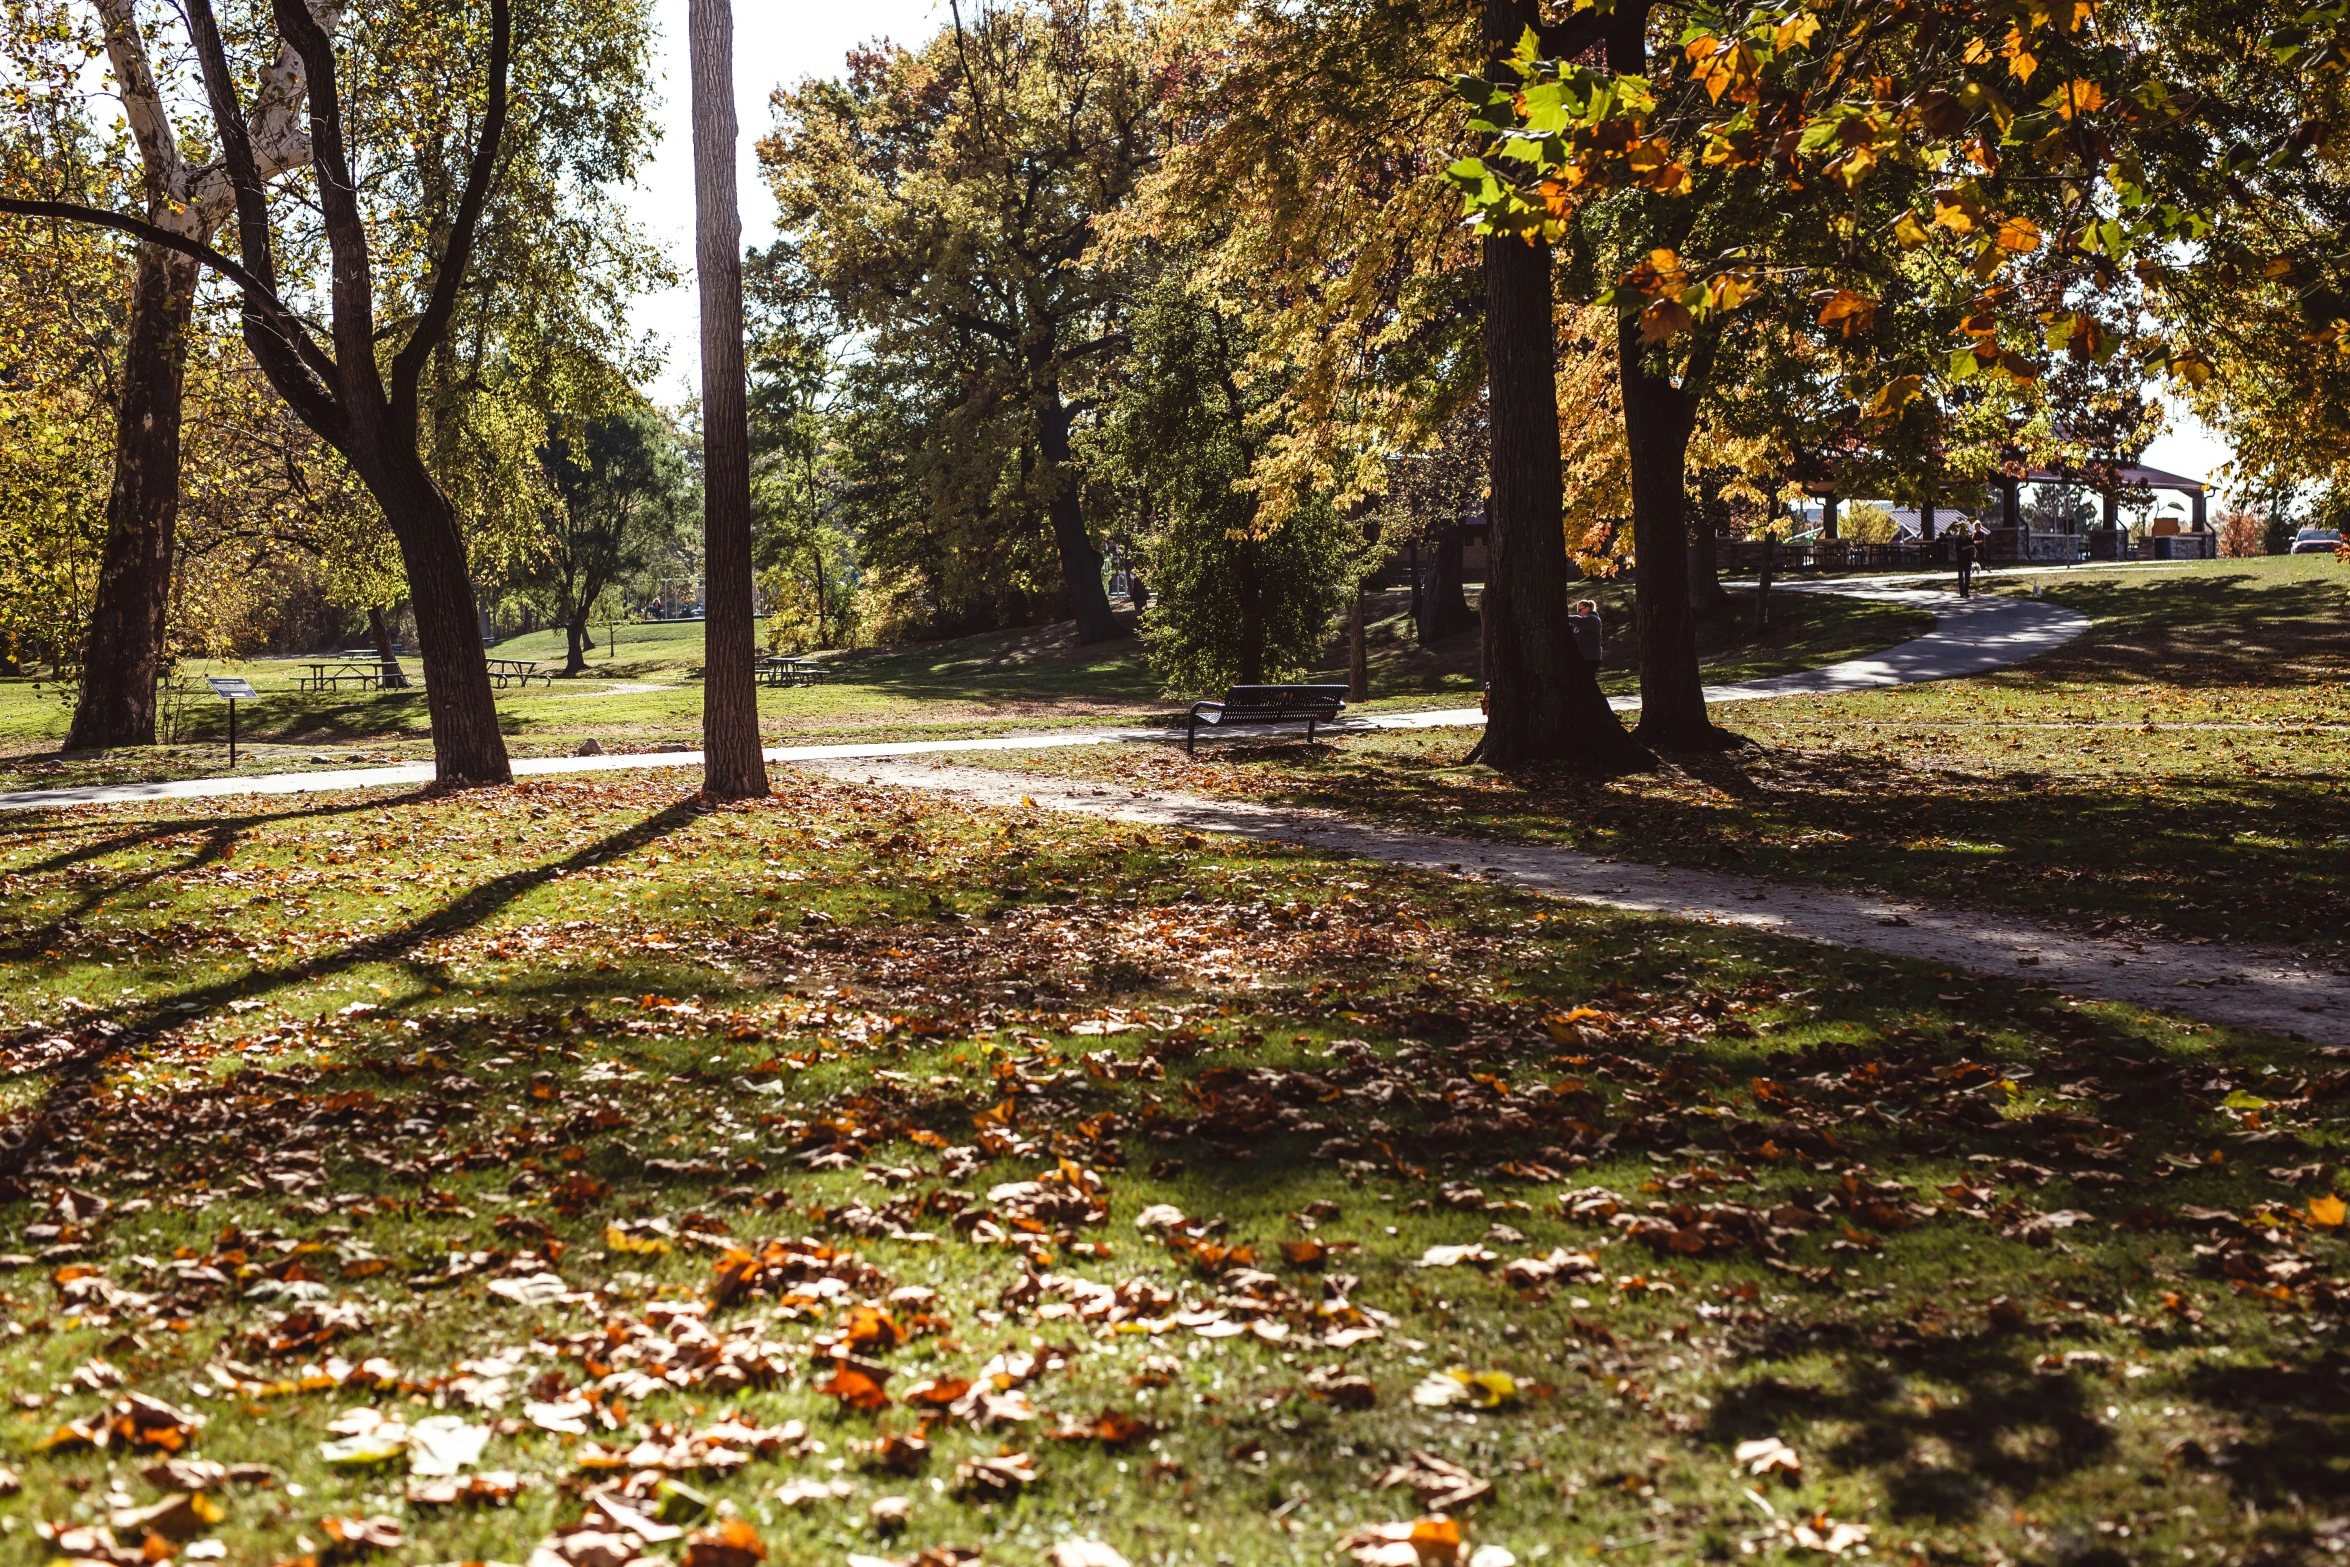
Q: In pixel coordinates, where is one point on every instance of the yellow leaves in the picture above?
(2330, 1212)
(1795, 32)
(2076, 97)
(2019, 236)
(1894, 396)
(2021, 62)
(619, 1240)
(1847, 311)
(1724, 68)
(1957, 211)
(1730, 290)
(1849, 170)
(1909, 232)
(1653, 167)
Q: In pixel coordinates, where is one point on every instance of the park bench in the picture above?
(1267, 705)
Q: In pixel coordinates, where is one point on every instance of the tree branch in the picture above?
(433, 325)
(258, 295)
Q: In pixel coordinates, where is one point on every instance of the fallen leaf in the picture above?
(1085, 1553)
(1768, 1454)
(1439, 1483)
(729, 1543)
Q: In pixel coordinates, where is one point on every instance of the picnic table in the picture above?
(361, 667)
(789, 672)
(519, 672)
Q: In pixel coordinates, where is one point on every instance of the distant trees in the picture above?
(1240, 591)
(622, 493)
(947, 201)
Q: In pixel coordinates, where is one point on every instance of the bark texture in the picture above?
(1658, 420)
(394, 677)
(734, 766)
(1546, 701)
(1707, 596)
(124, 655)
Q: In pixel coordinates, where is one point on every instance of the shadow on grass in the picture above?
(113, 1031)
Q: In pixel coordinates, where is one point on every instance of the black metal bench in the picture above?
(1267, 705)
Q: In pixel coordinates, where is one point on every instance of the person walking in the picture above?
(1968, 552)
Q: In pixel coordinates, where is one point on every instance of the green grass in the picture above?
(326, 1049)
(2177, 770)
(646, 694)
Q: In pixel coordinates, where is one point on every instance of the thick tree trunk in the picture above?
(1081, 562)
(1546, 702)
(1707, 596)
(1658, 419)
(575, 644)
(468, 746)
(386, 656)
(1252, 619)
(733, 765)
(124, 654)
(1444, 604)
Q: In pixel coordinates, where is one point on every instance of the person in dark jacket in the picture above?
(1969, 551)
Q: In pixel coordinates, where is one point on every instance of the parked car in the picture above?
(2316, 541)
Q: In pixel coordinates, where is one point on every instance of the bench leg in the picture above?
(1309, 731)
(1191, 735)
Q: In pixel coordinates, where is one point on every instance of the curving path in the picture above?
(2276, 990)
(1970, 637)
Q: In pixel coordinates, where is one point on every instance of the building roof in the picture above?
(2131, 474)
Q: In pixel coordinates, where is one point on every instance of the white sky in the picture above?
(776, 43)
(781, 42)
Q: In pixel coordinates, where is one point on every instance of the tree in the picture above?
(734, 767)
(1799, 182)
(1240, 594)
(621, 491)
(947, 200)
(344, 395)
(805, 554)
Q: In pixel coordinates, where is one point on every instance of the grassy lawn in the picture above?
(2177, 770)
(851, 1158)
(645, 695)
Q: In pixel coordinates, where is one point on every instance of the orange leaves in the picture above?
(872, 1330)
(2018, 236)
(576, 1193)
(1423, 1542)
(728, 1543)
(1846, 311)
(136, 1421)
(1725, 67)
(2328, 1212)
(938, 1392)
(2075, 98)
(1111, 1428)
(1795, 32)
(857, 1387)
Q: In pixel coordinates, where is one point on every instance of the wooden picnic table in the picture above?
(777, 671)
(518, 671)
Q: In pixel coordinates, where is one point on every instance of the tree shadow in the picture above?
(108, 1031)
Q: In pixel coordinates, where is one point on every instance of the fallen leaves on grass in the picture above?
(1440, 1484)
(1768, 1455)
(1460, 1385)
(1434, 1541)
(1001, 1475)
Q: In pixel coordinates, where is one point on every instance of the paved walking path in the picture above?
(1970, 637)
(2275, 990)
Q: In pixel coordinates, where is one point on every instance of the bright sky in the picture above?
(776, 43)
(779, 42)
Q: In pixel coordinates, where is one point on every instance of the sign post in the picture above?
(233, 691)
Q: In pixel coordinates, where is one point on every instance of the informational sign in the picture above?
(234, 689)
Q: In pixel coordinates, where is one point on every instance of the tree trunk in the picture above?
(575, 639)
(468, 746)
(1707, 596)
(1358, 650)
(1252, 618)
(1444, 606)
(1658, 419)
(1546, 703)
(1081, 562)
(387, 656)
(1762, 591)
(124, 654)
(733, 764)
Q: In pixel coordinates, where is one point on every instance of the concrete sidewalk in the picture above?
(2250, 987)
(1970, 637)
